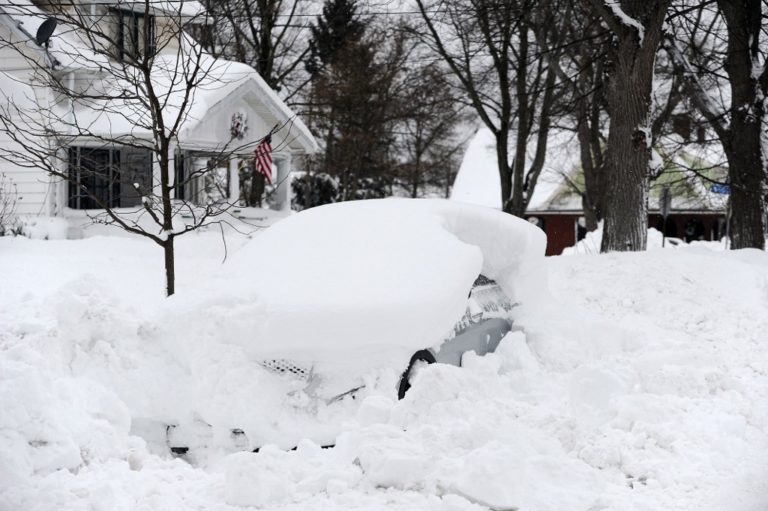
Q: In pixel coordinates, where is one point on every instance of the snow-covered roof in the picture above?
(217, 80)
(690, 191)
(478, 179)
(116, 118)
(183, 8)
(65, 47)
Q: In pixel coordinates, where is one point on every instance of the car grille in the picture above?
(283, 366)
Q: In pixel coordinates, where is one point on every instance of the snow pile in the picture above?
(593, 239)
(53, 419)
(427, 444)
(632, 382)
(372, 280)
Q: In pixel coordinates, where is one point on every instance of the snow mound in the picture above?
(53, 419)
(592, 241)
(638, 382)
(376, 280)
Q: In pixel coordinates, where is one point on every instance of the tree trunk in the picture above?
(517, 198)
(170, 268)
(746, 167)
(628, 154)
(328, 163)
(266, 58)
(167, 219)
(505, 172)
(416, 168)
(745, 171)
(628, 92)
(415, 182)
(590, 215)
(592, 196)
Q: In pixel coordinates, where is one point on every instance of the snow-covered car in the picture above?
(485, 322)
(334, 294)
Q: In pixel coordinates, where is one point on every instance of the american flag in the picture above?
(263, 157)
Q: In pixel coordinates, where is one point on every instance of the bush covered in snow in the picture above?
(311, 190)
(42, 227)
(7, 206)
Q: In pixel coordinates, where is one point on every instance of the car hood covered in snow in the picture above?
(362, 283)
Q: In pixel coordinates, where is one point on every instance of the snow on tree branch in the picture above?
(626, 19)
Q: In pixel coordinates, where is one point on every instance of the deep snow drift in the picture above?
(638, 381)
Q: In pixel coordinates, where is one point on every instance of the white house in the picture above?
(223, 112)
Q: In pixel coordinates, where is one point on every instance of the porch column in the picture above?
(197, 193)
(234, 180)
(283, 193)
(172, 168)
(157, 188)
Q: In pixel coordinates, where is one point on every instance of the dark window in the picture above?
(93, 182)
(135, 36)
(108, 177)
(203, 34)
(189, 177)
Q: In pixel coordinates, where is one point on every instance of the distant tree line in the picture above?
(389, 94)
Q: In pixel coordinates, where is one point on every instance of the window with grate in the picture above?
(107, 177)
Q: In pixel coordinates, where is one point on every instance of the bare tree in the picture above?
(580, 70)
(730, 37)
(636, 29)
(428, 138)
(491, 48)
(269, 35)
(118, 87)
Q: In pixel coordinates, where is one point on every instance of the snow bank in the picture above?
(593, 239)
(376, 280)
(633, 382)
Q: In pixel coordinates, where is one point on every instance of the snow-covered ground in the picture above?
(637, 382)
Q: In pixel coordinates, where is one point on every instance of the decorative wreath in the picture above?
(239, 127)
